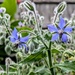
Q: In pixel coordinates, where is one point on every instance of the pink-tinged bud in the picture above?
(18, 1)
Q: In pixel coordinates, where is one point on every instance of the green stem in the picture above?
(50, 59)
(18, 68)
(37, 25)
(43, 42)
(7, 28)
(49, 56)
(55, 17)
(7, 69)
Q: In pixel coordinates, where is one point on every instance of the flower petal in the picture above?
(23, 45)
(20, 46)
(24, 39)
(61, 23)
(68, 29)
(1, 10)
(20, 24)
(55, 36)
(12, 39)
(52, 28)
(14, 34)
(26, 48)
(64, 38)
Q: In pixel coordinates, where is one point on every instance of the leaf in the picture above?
(48, 37)
(39, 69)
(42, 70)
(55, 51)
(13, 68)
(2, 51)
(23, 30)
(32, 73)
(36, 56)
(69, 52)
(67, 66)
(15, 23)
(11, 6)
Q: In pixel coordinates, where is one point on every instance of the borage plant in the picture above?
(32, 50)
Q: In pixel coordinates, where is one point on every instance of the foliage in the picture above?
(11, 6)
(28, 49)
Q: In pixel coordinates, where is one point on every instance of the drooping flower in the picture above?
(19, 41)
(61, 31)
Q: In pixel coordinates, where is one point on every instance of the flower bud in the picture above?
(19, 55)
(7, 41)
(7, 16)
(8, 61)
(8, 49)
(21, 5)
(31, 46)
(60, 8)
(29, 5)
(2, 10)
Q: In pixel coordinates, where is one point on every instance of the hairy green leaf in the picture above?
(11, 6)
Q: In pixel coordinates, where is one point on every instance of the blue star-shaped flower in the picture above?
(19, 41)
(60, 31)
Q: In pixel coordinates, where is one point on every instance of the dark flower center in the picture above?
(17, 41)
(60, 32)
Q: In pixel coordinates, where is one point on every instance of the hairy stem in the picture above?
(7, 28)
(49, 56)
(37, 25)
(50, 59)
(7, 69)
(55, 17)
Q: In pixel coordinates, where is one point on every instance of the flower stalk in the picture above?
(50, 59)
(37, 25)
(7, 28)
(49, 56)
(7, 69)
(55, 17)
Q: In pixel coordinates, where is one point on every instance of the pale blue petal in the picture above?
(55, 36)
(68, 29)
(14, 34)
(24, 39)
(26, 48)
(52, 28)
(20, 24)
(12, 39)
(73, 27)
(1, 10)
(20, 46)
(64, 38)
(23, 46)
(61, 23)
